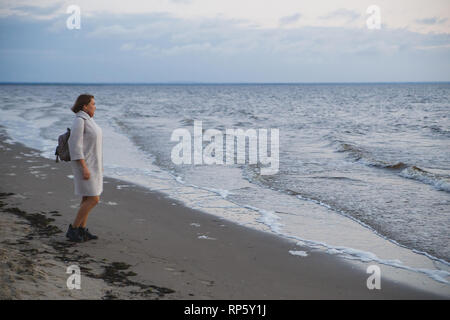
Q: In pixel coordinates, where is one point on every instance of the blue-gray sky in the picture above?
(224, 41)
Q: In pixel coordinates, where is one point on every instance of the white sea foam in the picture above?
(364, 256)
(121, 186)
(37, 167)
(179, 179)
(440, 182)
(223, 193)
(10, 141)
(31, 154)
(298, 253)
(28, 131)
(268, 218)
(205, 237)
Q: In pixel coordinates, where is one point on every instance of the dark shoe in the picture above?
(74, 234)
(86, 234)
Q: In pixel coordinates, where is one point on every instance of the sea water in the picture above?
(364, 169)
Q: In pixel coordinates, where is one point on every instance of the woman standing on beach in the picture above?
(86, 154)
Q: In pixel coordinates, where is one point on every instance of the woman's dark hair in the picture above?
(82, 100)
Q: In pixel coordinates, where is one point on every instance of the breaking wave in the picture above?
(438, 181)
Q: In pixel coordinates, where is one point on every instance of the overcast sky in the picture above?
(224, 41)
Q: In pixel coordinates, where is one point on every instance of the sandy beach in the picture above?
(149, 246)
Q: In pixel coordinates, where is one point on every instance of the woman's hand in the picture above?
(86, 173)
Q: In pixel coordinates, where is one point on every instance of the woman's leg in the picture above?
(95, 200)
(86, 205)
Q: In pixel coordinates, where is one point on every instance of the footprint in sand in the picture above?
(174, 272)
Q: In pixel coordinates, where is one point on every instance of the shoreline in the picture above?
(151, 247)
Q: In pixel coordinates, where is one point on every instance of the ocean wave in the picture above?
(438, 181)
(188, 122)
(359, 154)
(438, 130)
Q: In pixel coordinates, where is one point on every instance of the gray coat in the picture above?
(85, 142)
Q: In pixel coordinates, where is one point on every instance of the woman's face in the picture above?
(90, 108)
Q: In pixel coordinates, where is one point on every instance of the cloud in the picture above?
(289, 19)
(28, 10)
(163, 35)
(431, 21)
(223, 38)
(112, 31)
(160, 46)
(342, 14)
(410, 14)
(443, 46)
(181, 1)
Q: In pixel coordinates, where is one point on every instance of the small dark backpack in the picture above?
(62, 150)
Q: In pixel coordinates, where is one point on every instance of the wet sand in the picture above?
(150, 246)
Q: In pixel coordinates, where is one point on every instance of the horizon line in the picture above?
(213, 83)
